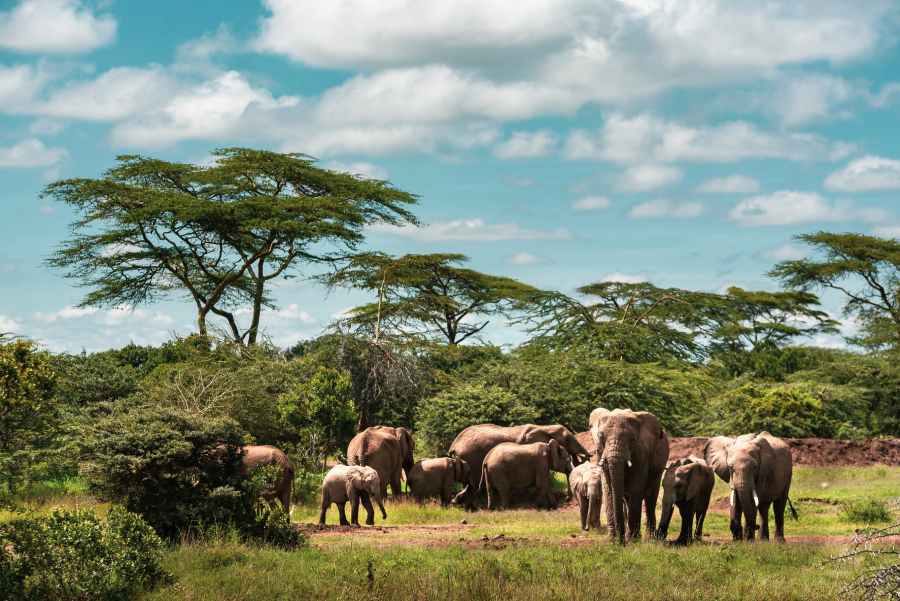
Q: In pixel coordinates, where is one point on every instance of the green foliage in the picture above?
(75, 556)
(443, 416)
(868, 511)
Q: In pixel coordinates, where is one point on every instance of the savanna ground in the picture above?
(432, 553)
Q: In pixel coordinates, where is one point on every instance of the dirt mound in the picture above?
(815, 451)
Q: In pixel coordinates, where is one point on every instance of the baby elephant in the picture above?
(585, 485)
(510, 467)
(687, 484)
(352, 483)
(436, 477)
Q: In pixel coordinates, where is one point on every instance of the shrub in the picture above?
(868, 511)
(443, 416)
(73, 555)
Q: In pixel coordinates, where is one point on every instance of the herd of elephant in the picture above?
(619, 463)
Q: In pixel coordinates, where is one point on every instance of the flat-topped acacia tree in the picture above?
(217, 233)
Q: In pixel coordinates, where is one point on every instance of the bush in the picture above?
(442, 417)
(73, 555)
(869, 511)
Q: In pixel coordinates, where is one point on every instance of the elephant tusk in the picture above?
(732, 498)
(628, 463)
(755, 499)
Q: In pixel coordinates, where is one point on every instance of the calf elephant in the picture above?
(633, 450)
(585, 484)
(436, 478)
(474, 443)
(388, 450)
(687, 484)
(254, 456)
(518, 468)
(759, 468)
(351, 483)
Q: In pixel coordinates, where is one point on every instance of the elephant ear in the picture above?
(354, 482)
(766, 460)
(716, 454)
(530, 434)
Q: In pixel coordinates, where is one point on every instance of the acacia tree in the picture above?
(429, 295)
(865, 270)
(219, 233)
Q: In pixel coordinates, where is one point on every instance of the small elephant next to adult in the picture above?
(687, 484)
(436, 478)
(352, 483)
(585, 484)
(520, 468)
(388, 450)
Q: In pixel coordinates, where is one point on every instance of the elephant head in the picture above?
(682, 480)
(365, 480)
(562, 435)
(560, 460)
(747, 463)
(407, 446)
(461, 470)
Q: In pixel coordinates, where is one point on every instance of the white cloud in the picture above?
(803, 99)
(291, 312)
(865, 174)
(732, 184)
(524, 258)
(786, 252)
(788, 207)
(648, 177)
(8, 325)
(358, 168)
(524, 144)
(888, 231)
(65, 26)
(46, 127)
(625, 278)
(30, 152)
(592, 203)
(66, 313)
(18, 86)
(473, 230)
(665, 208)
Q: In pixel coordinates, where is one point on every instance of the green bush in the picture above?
(868, 511)
(74, 555)
(443, 416)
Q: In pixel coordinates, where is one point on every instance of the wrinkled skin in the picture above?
(516, 469)
(633, 450)
(386, 449)
(585, 483)
(586, 439)
(759, 468)
(255, 456)
(351, 483)
(474, 443)
(687, 484)
(437, 478)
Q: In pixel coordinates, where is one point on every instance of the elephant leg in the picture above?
(735, 523)
(585, 516)
(698, 535)
(326, 501)
(650, 497)
(634, 517)
(778, 507)
(764, 520)
(342, 513)
(354, 508)
(396, 489)
(370, 511)
(687, 521)
(503, 493)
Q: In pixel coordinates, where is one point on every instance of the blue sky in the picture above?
(560, 142)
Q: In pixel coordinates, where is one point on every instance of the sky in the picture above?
(560, 142)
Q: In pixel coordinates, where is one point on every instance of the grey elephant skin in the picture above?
(687, 484)
(759, 468)
(352, 483)
(586, 486)
(633, 450)
(388, 450)
(474, 443)
(254, 456)
(514, 470)
(437, 477)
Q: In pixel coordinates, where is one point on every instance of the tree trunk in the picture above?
(257, 303)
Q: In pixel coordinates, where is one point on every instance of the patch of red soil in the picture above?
(814, 451)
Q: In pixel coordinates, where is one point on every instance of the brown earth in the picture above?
(814, 451)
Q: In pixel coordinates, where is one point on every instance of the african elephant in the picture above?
(436, 477)
(759, 468)
(352, 483)
(585, 483)
(687, 484)
(388, 450)
(475, 442)
(586, 439)
(633, 450)
(511, 467)
(254, 456)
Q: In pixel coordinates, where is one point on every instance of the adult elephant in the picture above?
(633, 450)
(474, 443)
(524, 470)
(386, 449)
(586, 439)
(759, 468)
(255, 456)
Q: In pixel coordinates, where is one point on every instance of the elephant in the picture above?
(475, 442)
(585, 484)
(512, 467)
(352, 483)
(254, 456)
(388, 450)
(688, 484)
(586, 439)
(759, 468)
(633, 450)
(436, 477)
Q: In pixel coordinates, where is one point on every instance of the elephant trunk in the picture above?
(745, 493)
(614, 464)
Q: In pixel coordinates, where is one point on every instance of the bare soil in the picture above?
(815, 451)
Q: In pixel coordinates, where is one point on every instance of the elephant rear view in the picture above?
(759, 468)
(436, 478)
(687, 484)
(519, 468)
(386, 449)
(255, 456)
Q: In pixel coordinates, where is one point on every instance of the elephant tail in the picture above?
(793, 511)
(484, 478)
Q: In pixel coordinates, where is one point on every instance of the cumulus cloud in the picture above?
(625, 278)
(524, 258)
(802, 99)
(9, 325)
(888, 231)
(786, 252)
(665, 208)
(526, 145)
(866, 174)
(30, 152)
(63, 26)
(19, 84)
(788, 207)
(641, 178)
(732, 184)
(359, 169)
(592, 203)
(472, 230)
(66, 313)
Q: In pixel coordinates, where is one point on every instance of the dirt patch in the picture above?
(814, 451)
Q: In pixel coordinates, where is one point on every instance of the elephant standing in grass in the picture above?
(759, 468)
(388, 450)
(255, 456)
(475, 442)
(352, 483)
(436, 478)
(633, 450)
(520, 468)
(688, 484)
(585, 484)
